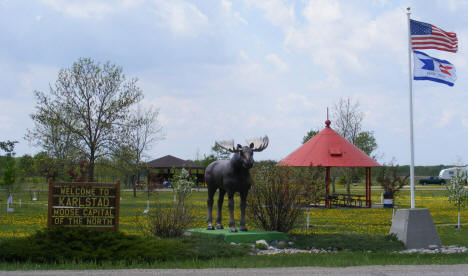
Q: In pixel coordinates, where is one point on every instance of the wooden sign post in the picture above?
(93, 205)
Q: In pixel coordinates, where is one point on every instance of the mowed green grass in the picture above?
(32, 215)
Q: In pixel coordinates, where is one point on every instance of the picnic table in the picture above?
(345, 201)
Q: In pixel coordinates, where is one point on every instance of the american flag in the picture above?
(428, 36)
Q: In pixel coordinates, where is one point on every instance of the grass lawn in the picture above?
(296, 260)
(32, 216)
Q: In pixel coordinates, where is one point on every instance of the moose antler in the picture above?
(227, 145)
(259, 143)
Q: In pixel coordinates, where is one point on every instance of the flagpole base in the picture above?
(415, 228)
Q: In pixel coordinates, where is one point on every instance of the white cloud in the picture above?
(226, 6)
(465, 123)
(180, 17)
(89, 8)
(342, 38)
(277, 62)
(35, 76)
(277, 12)
(330, 82)
(453, 5)
(322, 11)
(447, 117)
(240, 18)
(292, 102)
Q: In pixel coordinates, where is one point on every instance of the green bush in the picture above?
(166, 221)
(58, 245)
(274, 201)
(348, 242)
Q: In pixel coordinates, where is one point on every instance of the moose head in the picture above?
(245, 153)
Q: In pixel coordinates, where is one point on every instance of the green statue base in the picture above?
(250, 236)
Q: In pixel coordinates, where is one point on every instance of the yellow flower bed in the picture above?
(376, 221)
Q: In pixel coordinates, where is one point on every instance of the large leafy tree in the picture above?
(220, 153)
(84, 111)
(51, 133)
(217, 153)
(366, 142)
(309, 135)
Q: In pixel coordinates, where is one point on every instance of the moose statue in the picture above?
(232, 176)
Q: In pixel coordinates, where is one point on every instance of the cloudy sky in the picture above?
(221, 69)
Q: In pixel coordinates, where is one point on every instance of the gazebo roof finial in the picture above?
(327, 122)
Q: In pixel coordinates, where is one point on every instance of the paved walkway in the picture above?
(410, 270)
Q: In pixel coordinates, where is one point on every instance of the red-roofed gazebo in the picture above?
(328, 149)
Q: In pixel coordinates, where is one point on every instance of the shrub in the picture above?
(58, 245)
(274, 202)
(166, 221)
(389, 180)
(311, 181)
(349, 242)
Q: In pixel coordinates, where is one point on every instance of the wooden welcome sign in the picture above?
(93, 205)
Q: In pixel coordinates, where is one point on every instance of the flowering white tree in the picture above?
(457, 194)
(182, 185)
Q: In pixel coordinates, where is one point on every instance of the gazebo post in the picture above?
(368, 187)
(327, 196)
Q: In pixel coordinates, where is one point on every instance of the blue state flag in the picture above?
(433, 69)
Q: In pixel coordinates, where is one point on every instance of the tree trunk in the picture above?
(9, 201)
(92, 158)
(348, 190)
(138, 178)
(133, 185)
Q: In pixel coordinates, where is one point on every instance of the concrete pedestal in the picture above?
(415, 228)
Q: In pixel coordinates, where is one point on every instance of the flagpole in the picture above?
(411, 110)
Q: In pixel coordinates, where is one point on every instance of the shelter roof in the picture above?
(328, 149)
(169, 162)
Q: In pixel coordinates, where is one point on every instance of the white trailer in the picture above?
(450, 172)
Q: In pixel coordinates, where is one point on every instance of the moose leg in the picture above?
(209, 218)
(243, 198)
(219, 224)
(232, 223)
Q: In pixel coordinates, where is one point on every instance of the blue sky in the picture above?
(223, 69)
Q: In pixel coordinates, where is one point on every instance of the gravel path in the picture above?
(426, 270)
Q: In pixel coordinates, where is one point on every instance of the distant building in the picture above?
(164, 168)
